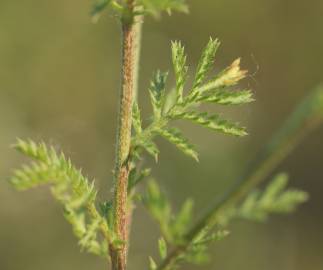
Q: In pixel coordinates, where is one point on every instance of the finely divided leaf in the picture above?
(136, 177)
(180, 68)
(278, 199)
(213, 122)
(172, 226)
(227, 97)
(151, 148)
(74, 191)
(206, 62)
(157, 92)
(275, 199)
(174, 136)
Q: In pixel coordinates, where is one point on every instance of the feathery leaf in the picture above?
(173, 226)
(174, 136)
(157, 92)
(74, 191)
(180, 68)
(206, 62)
(275, 199)
(213, 122)
(225, 97)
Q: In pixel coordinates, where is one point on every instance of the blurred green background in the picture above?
(59, 78)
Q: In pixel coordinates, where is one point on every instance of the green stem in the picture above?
(137, 51)
(307, 117)
(119, 252)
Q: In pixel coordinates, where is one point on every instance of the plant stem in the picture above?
(137, 51)
(307, 117)
(119, 254)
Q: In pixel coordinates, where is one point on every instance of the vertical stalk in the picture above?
(137, 51)
(119, 254)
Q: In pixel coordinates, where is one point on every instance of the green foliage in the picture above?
(258, 205)
(180, 68)
(224, 97)
(98, 8)
(180, 241)
(213, 122)
(136, 118)
(206, 62)
(154, 7)
(136, 176)
(152, 264)
(151, 7)
(174, 136)
(162, 247)
(173, 227)
(183, 105)
(275, 199)
(74, 191)
(197, 250)
(157, 93)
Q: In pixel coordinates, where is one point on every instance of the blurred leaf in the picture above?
(154, 7)
(162, 247)
(136, 177)
(275, 199)
(136, 118)
(157, 92)
(152, 264)
(183, 219)
(98, 7)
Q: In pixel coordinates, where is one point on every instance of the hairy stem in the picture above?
(307, 117)
(137, 52)
(119, 253)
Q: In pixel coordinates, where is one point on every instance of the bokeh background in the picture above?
(59, 78)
